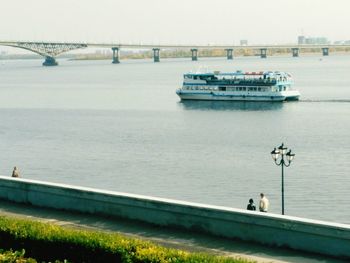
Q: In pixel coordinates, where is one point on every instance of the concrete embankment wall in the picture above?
(297, 233)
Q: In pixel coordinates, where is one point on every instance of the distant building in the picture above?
(342, 42)
(316, 40)
(244, 42)
(301, 40)
(312, 40)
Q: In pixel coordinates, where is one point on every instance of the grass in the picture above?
(50, 242)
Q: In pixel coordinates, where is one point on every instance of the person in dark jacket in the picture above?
(251, 205)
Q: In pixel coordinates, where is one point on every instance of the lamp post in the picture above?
(278, 155)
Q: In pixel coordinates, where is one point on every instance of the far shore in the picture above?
(172, 54)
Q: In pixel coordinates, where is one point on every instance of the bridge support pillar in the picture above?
(115, 55)
(229, 53)
(194, 52)
(50, 61)
(295, 52)
(156, 54)
(263, 52)
(325, 51)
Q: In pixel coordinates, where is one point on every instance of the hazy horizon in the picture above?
(174, 22)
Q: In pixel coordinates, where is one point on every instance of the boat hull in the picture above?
(225, 96)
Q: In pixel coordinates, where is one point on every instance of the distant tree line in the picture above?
(178, 53)
(182, 53)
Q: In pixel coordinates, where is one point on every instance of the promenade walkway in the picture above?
(164, 236)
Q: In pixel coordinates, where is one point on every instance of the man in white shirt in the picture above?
(264, 203)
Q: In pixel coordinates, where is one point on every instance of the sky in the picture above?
(198, 22)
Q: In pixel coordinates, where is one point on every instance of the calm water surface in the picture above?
(122, 127)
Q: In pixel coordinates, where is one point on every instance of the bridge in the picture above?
(50, 50)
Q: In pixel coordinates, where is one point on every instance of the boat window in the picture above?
(222, 88)
(259, 89)
(244, 88)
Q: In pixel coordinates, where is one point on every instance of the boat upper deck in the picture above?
(267, 78)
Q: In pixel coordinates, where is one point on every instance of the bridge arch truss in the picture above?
(46, 49)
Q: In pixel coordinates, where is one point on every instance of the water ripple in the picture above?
(327, 100)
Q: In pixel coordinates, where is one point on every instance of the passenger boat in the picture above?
(239, 86)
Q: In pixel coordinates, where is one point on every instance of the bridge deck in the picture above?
(187, 46)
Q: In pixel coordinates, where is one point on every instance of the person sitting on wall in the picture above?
(15, 172)
(251, 205)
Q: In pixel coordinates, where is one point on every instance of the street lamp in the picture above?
(281, 152)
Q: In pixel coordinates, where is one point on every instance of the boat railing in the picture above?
(247, 82)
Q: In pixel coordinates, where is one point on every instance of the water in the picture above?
(123, 128)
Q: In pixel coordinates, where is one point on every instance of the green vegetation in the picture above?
(183, 53)
(15, 257)
(49, 242)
